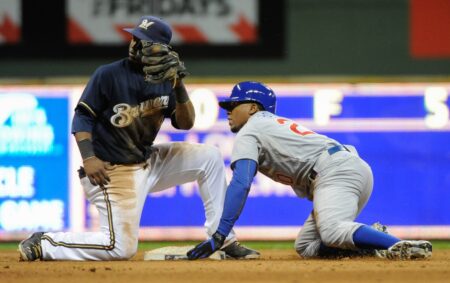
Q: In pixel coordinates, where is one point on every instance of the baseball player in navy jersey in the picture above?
(116, 121)
(331, 175)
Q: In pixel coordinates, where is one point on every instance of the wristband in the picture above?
(86, 149)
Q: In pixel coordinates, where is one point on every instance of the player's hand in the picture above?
(208, 247)
(96, 171)
(161, 63)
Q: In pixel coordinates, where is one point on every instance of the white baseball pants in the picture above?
(121, 202)
(341, 190)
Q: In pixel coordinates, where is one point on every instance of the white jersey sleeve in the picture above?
(284, 150)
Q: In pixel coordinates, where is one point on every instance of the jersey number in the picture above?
(294, 127)
(123, 117)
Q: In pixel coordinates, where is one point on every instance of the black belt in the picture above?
(127, 163)
(331, 151)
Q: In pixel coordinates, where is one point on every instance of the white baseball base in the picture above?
(177, 253)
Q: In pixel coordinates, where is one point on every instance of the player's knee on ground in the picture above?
(307, 249)
(125, 249)
(300, 246)
(336, 234)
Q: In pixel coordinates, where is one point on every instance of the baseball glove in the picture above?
(161, 63)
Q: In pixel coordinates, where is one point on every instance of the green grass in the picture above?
(441, 245)
(8, 246)
(259, 245)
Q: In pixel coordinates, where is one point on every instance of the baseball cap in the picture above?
(152, 29)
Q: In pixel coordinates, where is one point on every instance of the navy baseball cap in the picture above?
(152, 29)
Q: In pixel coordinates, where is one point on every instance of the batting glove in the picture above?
(207, 248)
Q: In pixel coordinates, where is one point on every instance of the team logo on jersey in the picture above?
(125, 114)
(146, 24)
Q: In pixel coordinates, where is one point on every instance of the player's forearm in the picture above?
(185, 114)
(237, 194)
(84, 142)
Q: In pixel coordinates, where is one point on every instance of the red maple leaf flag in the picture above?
(9, 31)
(246, 31)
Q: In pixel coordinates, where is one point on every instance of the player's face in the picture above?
(135, 46)
(239, 115)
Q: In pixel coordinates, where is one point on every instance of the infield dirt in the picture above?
(275, 266)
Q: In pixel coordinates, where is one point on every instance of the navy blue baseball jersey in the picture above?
(123, 112)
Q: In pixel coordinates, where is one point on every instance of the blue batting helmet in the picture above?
(251, 92)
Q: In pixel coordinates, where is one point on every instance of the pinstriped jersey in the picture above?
(284, 150)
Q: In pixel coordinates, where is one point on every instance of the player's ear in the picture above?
(253, 108)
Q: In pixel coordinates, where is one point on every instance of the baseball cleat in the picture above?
(380, 227)
(380, 253)
(30, 249)
(410, 250)
(237, 251)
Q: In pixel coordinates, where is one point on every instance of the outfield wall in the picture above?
(401, 129)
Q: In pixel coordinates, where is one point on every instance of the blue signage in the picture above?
(33, 161)
(405, 137)
(410, 160)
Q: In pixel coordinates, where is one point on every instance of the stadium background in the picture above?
(375, 74)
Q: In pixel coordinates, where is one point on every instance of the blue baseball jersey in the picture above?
(123, 112)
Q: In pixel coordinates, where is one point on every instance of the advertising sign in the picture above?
(401, 130)
(10, 21)
(193, 21)
(34, 160)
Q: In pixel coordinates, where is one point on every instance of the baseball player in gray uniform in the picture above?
(331, 175)
(116, 121)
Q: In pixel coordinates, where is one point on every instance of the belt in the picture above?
(331, 151)
(336, 148)
(127, 163)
